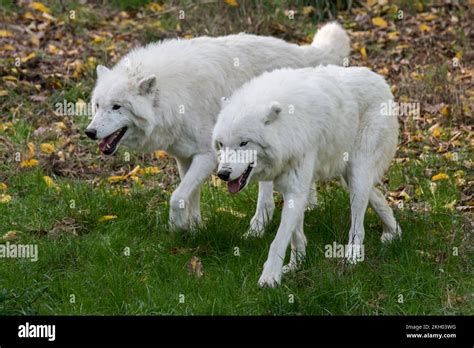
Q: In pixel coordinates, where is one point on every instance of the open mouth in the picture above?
(238, 184)
(109, 144)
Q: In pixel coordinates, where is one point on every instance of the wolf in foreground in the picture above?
(308, 125)
(166, 96)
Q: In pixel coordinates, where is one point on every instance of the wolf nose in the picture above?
(91, 133)
(224, 174)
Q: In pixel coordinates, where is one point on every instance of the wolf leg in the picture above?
(360, 184)
(298, 250)
(183, 203)
(295, 186)
(264, 213)
(391, 229)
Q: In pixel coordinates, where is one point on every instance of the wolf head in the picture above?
(242, 138)
(124, 108)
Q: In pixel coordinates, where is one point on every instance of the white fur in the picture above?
(170, 94)
(331, 124)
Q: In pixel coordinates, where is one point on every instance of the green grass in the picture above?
(103, 280)
(421, 268)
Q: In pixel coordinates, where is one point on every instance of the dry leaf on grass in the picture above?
(195, 267)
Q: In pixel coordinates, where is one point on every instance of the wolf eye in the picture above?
(116, 107)
(243, 143)
(219, 145)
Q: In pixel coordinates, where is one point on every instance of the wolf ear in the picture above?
(224, 101)
(101, 70)
(273, 112)
(146, 85)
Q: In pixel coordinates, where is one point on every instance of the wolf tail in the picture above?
(332, 44)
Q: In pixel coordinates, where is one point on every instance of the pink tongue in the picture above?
(102, 144)
(106, 141)
(234, 185)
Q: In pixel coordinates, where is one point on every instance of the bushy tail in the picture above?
(333, 44)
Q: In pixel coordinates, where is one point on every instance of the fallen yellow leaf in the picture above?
(47, 148)
(450, 156)
(28, 57)
(233, 3)
(5, 198)
(31, 149)
(107, 218)
(3, 93)
(418, 191)
(39, 6)
(49, 181)
(379, 22)
(34, 39)
(231, 211)
(445, 111)
(5, 33)
(393, 35)
(48, 17)
(160, 154)
(137, 180)
(440, 176)
(91, 63)
(9, 78)
(133, 172)
(155, 7)
(430, 17)
(116, 178)
(8, 47)
(52, 49)
(150, 170)
(3, 186)
(5, 126)
(29, 15)
(59, 126)
(29, 163)
(363, 53)
(424, 28)
(97, 39)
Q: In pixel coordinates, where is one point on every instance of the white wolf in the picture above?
(166, 96)
(307, 125)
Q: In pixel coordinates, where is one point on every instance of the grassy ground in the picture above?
(131, 264)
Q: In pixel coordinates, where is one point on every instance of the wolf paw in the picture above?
(179, 220)
(256, 229)
(354, 253)
(291, 267)
(269, 279)
(389, 234)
